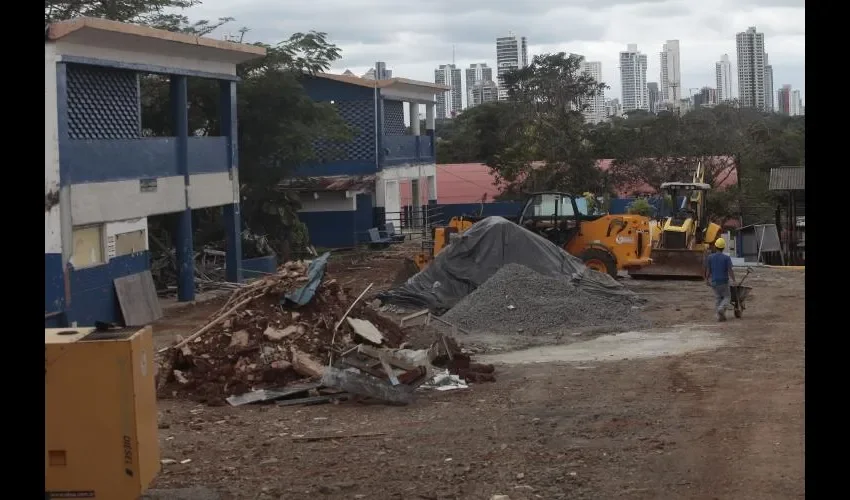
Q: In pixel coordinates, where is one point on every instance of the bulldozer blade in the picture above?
(672, 264)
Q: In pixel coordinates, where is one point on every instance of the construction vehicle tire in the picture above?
(600, 260)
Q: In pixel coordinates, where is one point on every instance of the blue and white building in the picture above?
(103, 178)
(361, 186)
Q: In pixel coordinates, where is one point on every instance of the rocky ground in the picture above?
(688, 409)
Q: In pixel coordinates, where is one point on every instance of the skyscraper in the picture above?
(671, 74)
(768, 85)
(633, 79)
(595, 111)
(481, 92)
(511, 53)
(381, 71)
(450, 102)
(653, 95)
(476, 73)
(783, 100)
(797, 104)
(723, 71)
(751, 69)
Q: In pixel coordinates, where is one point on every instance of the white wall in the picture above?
(328, 201)
(211, 190)
(52, 219)
(114, 201)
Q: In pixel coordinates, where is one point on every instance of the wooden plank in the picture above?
(366, 385)
(137, 297)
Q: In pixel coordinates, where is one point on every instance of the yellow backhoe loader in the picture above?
(682, 239)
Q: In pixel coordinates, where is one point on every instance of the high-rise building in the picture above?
(595, 111)
(671, 74)
(481, 92)
(723, 72)
(511, 53)
(706, 97)
(633, 79)
(783, 100)
(450, 102)
(613, 108)
(381, 71)
(476, 73)
(654, 96)
(751, 69)
(768, 86)
(797, 108)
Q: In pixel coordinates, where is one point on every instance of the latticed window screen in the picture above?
(394, 118)
(103, 103)
(360, 115)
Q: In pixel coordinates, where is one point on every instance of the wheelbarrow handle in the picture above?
(749, 270)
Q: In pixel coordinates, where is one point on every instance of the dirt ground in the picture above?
(689, 409)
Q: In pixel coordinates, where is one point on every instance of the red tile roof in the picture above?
(468, 182)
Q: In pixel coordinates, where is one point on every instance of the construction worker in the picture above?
(719, 276)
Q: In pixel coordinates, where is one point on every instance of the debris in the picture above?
(275, 334)
(239, 339)
(355, 382)
(264, 395)
(186, 461)
(315, 273)
(366, 330)
(445, 382)
(168, 461)
(305, 365)
(314, 400)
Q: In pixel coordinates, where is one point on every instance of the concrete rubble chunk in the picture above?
(366, 330)
(305, 365)
(276, 334)
(239, 339)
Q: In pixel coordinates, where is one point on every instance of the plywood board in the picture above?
(137, 297)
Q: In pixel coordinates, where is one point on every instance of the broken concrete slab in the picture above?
(239, 339)
(305, 365)
(275, 334)
(366, 330)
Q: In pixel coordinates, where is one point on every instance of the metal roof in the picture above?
(364, 82)
(329, 183)
(787, 179)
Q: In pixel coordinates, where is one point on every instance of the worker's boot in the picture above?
(721, 315)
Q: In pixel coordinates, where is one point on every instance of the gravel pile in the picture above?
(517, 300)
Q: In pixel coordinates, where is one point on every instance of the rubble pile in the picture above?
(518, 300)
(260, 340)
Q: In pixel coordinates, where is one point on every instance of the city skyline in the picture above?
(413, 50)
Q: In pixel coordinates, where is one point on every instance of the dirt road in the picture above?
(690, 409)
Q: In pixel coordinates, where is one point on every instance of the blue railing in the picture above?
(400, 149)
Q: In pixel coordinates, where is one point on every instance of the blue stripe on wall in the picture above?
(114, 160)
(93, 295)
(346, 167)
(340, 229)
(502, 209)
(54, 283)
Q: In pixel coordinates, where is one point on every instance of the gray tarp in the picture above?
(485, 247)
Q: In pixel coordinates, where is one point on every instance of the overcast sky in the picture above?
(413, 37)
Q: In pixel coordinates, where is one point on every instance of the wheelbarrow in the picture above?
(740, 294)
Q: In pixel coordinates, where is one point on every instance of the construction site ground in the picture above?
(690, 408)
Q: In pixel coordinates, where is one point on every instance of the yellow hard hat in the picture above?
(720, 243)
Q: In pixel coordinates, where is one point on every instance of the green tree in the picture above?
(545, 142)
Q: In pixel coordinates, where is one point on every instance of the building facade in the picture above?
(481, 92)
(671, 72)
(476, 73)
(769, 105)
(595, 111)
(751, 69)
(633, 79)
(783, 100)
(345, 193)
(706, 97)
(797, 108)
(654, 96)
(104, 177)
(450, 102)
(723, 75)
(511, 54)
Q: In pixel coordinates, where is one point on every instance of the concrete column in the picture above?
(416, 204)
(430, 113)
(413, 110)
(183, 241)
(232, 212)
(432, 189)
